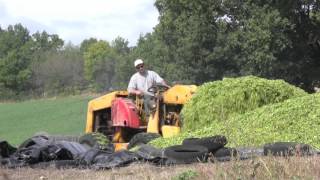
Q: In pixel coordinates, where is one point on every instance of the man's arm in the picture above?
(159, 79)
(165, 83)
(134, 91)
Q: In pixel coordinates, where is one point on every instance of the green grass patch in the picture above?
(63, 116)
(186, 175)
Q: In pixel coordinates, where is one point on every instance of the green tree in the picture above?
(208, 40)
(85, 44)
(189, 30)
(120, 45)
(99, 65)
(158, 58)
(123, 68)
(60, 73)
(46, 42)
(16, 54)
(46, 47)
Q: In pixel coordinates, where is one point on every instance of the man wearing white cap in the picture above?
(143, 79)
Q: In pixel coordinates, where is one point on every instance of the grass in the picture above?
(63, 116)
(258, 168)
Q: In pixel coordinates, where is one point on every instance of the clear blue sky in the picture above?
(76, 20)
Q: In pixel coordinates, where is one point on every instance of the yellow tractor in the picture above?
(121, 117)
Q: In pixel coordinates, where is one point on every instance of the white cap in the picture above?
(137, 62)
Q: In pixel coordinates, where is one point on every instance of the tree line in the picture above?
(194, 42)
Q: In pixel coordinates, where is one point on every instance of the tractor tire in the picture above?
(142, 138)
(186, 153)
(212, 143)
(94, 140)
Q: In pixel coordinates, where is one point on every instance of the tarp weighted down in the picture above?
(41, 149)
(117, 159)
(6, 149)
(41, 152)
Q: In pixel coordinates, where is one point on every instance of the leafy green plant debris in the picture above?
(212, 110)
(295, 120)
(216, 101)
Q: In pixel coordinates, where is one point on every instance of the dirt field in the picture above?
(259, 168)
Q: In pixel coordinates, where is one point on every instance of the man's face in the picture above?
(140, 68)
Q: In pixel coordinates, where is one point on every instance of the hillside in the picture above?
(19, 121)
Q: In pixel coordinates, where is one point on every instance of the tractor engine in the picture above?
(124, 113)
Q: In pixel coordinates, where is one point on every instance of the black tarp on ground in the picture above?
(117, 159)
(150, 153)
(6, 149)
(287, 149)
(40, 149)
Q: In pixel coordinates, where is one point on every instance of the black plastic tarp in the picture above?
(40, 151)
(6, 149)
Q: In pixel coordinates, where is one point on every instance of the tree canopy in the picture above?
(194, 42)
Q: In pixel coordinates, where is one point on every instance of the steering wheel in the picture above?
(158, 87)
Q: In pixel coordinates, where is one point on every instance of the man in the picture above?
(141, 81)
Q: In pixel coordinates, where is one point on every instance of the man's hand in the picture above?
(165, 84)
(135, 92)
(139, 93)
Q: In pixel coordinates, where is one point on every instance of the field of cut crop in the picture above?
(21, 120)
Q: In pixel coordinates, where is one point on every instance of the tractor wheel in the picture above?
(96, 140)
(142, 138)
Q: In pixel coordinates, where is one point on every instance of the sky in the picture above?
(76, 20)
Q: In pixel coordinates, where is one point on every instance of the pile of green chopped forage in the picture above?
(212, 108)
(294, 120)
(215, 101)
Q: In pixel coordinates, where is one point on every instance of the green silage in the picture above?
(295, 120)
(215, 101)
(211, 110)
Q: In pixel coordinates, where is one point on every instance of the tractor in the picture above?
(121, 117)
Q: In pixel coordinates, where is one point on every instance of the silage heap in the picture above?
(211, 109)
(295, 120)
